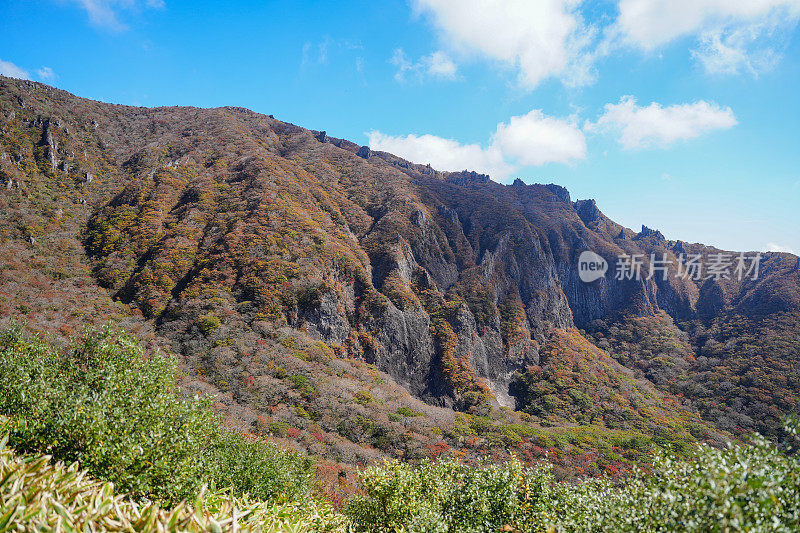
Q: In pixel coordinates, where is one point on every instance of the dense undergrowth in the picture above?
(115, 414)
(740, 372)
(739, 488)
(36, 495)
(104, 404)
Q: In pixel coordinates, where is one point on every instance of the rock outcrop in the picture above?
(446, 281)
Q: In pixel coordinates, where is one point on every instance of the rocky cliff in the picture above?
(237, 240)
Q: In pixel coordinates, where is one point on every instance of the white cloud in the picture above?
(323, 50)
(442, 154)
(439, 65)
(536, 139)
(732, 35)
(545, 39)
(774, 247)
(46, 74)
(737, 50)
(9, 69)
(316, 53)
(656, 125)
(435, 65)
(402, 62)
(719, 55)
(653, 23)
(103, 13)
(532, 139)
(542, 39)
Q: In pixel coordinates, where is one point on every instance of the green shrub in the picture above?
(120, 414)
(298, 381)
(36, 495)
(279, 428)
(740, 488)
(259, 469)
(752, 487)
(408, 412)
(448, 496)
(363, 397)
(208, 323)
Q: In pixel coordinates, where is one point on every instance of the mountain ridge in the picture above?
(277, 261)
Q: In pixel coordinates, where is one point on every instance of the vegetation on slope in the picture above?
(752, 488)
(747, 372)
(104, 404)
(741, 372)
(37, 495)
(299, 282)
(573, 382)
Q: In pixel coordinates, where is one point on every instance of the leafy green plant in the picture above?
(363, 397)
(447, 496)
(37, 495)
(753, 487)
(120, 414)
(208, 323)
(407, 412)
(262, 471)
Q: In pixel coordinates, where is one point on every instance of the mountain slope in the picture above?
(326, 291)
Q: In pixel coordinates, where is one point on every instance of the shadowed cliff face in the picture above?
(203, 219)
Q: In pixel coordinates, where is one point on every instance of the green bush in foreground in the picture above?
(119, 414)
(104, 405)
(741, 488)
(36, 495)
(448, 496)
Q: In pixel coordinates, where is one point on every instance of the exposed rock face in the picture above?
(466, 177)
(408, 266)
(561, 192)
(647, 232)
(327, 319)
(588, 212)
(428, 251)
(49, 141)
(406, 351)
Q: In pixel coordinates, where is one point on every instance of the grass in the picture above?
(37, 494)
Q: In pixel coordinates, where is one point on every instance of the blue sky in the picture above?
(679, 114)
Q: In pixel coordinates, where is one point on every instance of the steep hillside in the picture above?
(355, 304)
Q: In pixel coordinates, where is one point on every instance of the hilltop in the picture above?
(356, 305)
